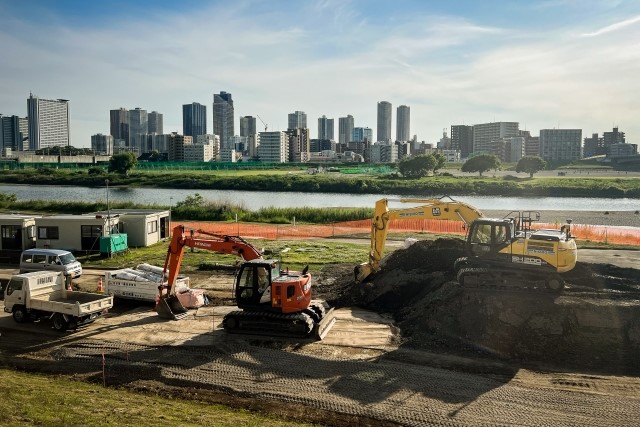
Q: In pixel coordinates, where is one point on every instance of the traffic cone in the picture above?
(100, 289)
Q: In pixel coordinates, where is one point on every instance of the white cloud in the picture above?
(449, 69)
(614, 27)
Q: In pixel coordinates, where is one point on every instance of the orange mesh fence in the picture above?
(595, 233)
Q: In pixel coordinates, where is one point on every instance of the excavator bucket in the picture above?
(171, 308)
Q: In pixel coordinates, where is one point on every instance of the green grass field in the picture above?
(37, 400)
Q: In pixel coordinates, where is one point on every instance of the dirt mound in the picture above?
(405, 276)
(588, 326)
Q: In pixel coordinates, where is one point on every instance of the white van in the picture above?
(50, 260)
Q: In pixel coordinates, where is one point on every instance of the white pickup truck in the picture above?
(43, 294)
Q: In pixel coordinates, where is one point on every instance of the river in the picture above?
(254, 200)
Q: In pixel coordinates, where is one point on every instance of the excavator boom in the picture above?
(169, 306)
(505, 251)
(441, 209)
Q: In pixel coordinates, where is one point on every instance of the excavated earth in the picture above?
(593, 324)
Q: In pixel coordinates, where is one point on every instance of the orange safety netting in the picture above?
(595, 233)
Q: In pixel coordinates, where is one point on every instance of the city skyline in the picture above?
(570, 65)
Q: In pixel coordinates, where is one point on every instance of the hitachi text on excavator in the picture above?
(500, 252)
(270, 301)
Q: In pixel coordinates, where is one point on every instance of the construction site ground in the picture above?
(410, 347)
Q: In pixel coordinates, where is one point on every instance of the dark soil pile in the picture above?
(594, 324)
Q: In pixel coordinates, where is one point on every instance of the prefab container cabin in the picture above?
(143, 227)
(73, 232)
(17, 233)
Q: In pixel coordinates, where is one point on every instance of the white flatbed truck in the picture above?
(141, 283)
(44, 295)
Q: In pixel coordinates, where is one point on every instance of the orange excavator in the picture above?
(270, 301)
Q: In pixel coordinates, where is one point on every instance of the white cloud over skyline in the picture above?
(333, 58)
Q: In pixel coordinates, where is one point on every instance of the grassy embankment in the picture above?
(32, 399)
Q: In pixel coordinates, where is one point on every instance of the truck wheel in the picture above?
(59, 323)
(20, 314)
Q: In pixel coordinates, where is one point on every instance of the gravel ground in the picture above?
(608, 218)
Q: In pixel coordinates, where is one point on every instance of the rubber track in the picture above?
(495, 281)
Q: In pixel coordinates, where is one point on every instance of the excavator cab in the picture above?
(253, 283)
(487, 237)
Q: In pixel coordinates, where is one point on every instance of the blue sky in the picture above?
(545, 64)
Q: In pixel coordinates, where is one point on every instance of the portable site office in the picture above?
(73, 232)
(17, 233)
(144, 227)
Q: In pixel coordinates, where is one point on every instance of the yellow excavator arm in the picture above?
(440, 209)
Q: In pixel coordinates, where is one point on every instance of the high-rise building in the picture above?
(297, 120)
(561, 144)
(138, 130)
(325, 128)
(384, 121)
(194, 119)
(299, 145)
(462, 139)
(48, 122)
(247, 126)
(120, 125)
(14, 133)
(486, 135)
(403, 123)
(223, 118)
(102, 144)
(274, 147)
(345, 129)
(361, 134)
(155, 123)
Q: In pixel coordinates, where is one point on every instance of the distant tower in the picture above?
(384, 121)
(247, 126)
(325, 128)
(48, 122)
(194, 119)
(297, 120)
(138, 129)
(403, 123)
(156, 124)
(120, 125)
(345, 129)
(14, 132)
(223, 118)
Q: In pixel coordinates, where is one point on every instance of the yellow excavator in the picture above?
(500, 252)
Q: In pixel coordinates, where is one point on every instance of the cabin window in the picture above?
(152, 227)
(50, 233)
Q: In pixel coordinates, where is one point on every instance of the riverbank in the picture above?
(300, 181)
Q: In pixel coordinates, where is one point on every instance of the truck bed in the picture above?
(74, 304)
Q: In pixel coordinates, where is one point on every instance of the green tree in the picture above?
(481, 163)
(122, 163)
(417, 166)
(440, 161)
(530, 165)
